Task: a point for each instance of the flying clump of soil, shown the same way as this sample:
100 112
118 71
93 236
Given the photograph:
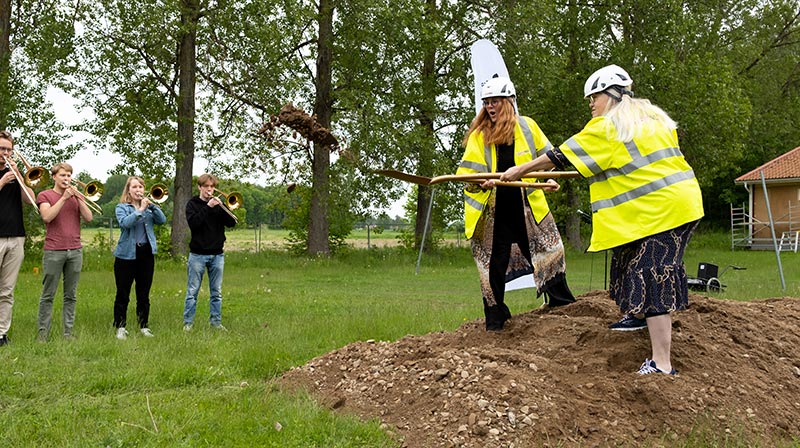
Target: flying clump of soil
301 123
559 377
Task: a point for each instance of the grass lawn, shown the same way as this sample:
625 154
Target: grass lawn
208 388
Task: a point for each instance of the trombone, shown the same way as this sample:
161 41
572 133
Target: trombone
35 176
158 194
91 193
22 184
233 200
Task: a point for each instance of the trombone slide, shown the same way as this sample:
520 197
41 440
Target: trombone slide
22 185
226 209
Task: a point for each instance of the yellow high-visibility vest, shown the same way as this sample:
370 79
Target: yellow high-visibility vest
529 141
637 189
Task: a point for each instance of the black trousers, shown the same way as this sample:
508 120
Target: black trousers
506 233
498 265
126 272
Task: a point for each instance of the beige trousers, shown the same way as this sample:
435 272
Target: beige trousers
12 252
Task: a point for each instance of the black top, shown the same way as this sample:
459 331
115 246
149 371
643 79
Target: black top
509 215
11 209
208 226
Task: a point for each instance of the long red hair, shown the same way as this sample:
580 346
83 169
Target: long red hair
501 131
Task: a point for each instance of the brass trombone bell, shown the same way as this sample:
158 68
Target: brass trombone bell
158 193
233 200
93 190
35 176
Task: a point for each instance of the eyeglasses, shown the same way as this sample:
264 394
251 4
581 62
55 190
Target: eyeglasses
492 102
593 97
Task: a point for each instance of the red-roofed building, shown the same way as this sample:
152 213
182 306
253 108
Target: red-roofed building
782 180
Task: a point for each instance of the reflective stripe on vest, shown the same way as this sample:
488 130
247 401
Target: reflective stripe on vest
585 158
638 161
477 205
643 190
479 167
526 131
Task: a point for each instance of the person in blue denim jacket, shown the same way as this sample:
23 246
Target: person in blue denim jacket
135 254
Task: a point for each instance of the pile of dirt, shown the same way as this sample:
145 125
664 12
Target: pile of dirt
559 377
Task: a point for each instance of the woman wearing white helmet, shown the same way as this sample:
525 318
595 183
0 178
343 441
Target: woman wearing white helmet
646 203
511 229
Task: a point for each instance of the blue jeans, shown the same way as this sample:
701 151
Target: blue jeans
196 267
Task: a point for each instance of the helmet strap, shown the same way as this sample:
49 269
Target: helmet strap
618 90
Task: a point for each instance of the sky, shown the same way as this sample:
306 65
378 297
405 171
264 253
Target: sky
97 165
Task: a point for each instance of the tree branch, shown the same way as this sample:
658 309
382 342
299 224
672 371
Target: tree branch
777 42
229 90
148 62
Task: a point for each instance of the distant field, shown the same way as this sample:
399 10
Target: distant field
275 239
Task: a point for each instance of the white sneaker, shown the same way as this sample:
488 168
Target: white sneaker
122 333
219 327
146 331
187 328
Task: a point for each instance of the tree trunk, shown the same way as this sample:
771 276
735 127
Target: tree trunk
571 190
5 61
427 148
318 229
184 158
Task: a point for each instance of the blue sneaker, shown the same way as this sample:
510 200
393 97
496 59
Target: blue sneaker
649 366
629 322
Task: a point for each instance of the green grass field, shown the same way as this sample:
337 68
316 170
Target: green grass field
207 388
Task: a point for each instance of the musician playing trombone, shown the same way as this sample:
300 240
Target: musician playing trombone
62 209
13 192
134 256
207 220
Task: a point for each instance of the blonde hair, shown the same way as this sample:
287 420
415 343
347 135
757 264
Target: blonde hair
60 166
205 178
499 132
635 117
126 197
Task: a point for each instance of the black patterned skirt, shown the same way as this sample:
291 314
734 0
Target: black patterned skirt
648 275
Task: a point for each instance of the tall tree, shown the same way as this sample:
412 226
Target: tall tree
411 99
142 66
323 110
5 60
184 160
768 65
36 42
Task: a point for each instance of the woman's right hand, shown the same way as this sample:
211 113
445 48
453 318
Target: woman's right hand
488 184
513 174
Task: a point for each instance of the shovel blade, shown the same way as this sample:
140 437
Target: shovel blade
413 178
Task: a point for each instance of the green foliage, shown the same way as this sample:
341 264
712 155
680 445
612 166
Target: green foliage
34 230
163 240
434 238
725 70
41 43
297 213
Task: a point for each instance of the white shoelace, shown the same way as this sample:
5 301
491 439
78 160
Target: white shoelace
647 368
